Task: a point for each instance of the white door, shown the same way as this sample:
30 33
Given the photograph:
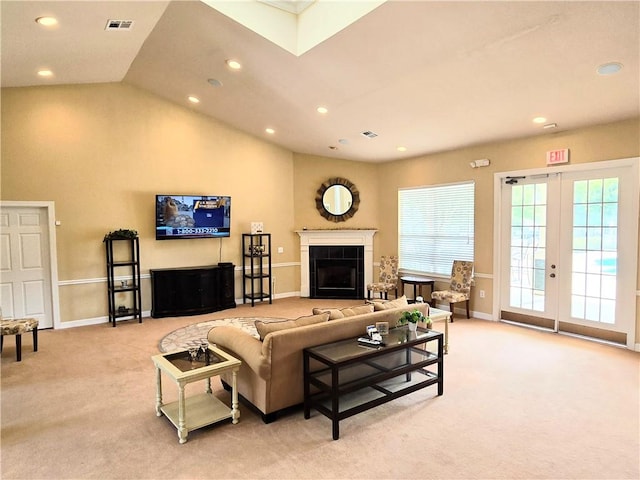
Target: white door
25 264
528 294
571 262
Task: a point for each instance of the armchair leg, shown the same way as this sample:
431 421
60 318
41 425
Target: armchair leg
467 302
18 348
451 310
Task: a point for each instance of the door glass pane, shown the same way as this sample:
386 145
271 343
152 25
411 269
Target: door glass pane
528 242
595 251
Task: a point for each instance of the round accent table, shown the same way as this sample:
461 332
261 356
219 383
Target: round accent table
418 283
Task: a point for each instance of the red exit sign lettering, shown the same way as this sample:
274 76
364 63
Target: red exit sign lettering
557 156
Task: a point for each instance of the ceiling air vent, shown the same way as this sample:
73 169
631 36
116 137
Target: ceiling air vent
369 134
119 25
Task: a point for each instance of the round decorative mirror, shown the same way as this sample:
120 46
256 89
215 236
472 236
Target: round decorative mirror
337 199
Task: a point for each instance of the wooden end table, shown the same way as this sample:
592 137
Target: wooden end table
197 411
417 283
437 315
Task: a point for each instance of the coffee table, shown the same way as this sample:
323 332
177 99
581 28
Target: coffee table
196 411
344 378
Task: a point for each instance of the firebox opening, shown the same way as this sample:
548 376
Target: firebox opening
331 276
336 272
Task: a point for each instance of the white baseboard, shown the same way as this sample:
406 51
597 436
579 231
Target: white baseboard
146 314
94 321
463 312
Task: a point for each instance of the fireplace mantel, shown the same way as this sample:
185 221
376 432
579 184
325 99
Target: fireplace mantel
326 237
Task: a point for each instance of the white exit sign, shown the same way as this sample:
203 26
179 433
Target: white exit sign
558 156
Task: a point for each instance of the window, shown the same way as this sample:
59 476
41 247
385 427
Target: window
595 249
435 227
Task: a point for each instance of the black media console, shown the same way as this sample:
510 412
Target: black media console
192 290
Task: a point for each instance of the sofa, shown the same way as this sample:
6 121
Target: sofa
271 374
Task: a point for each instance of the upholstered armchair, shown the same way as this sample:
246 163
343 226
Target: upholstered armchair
460 287
388 278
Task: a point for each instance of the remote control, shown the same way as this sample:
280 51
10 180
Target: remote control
369 342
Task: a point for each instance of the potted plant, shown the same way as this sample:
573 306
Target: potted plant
412 318
120 234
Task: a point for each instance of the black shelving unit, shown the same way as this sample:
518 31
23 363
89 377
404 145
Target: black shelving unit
256 267
123 259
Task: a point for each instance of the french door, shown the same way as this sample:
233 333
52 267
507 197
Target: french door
569 251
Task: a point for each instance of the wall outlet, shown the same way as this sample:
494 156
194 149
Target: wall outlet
280 249
481 293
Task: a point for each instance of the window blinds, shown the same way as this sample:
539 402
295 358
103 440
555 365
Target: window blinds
435 227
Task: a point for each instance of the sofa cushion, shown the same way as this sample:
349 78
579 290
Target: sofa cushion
334 313
337 313
357 310
265 328
397 303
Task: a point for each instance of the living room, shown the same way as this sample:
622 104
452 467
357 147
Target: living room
104 150
100 152
127 145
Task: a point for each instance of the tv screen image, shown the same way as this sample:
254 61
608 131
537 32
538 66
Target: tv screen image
192 216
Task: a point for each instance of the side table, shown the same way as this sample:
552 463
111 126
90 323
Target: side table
437 315
418 282
197 411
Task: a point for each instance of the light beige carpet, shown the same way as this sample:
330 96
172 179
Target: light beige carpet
517 404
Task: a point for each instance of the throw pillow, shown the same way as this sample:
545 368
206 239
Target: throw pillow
357 310
334 313
397 303
265 328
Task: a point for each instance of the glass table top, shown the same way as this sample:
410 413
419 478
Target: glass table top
182 360
344 350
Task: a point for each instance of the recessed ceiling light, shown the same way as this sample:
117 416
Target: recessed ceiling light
270 131
47 21
322 110
609 68
45 72
234 64
343 141
193 99
402 149
333 147
214 82
539 120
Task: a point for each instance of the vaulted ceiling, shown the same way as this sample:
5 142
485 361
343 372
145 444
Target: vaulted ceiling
424 75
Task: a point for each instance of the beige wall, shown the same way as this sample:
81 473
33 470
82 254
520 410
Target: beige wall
101 153
606 142
310 172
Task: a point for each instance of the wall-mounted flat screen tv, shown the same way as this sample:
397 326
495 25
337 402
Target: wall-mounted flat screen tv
192 216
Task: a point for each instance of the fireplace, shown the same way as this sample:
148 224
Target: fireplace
344 240
336 272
